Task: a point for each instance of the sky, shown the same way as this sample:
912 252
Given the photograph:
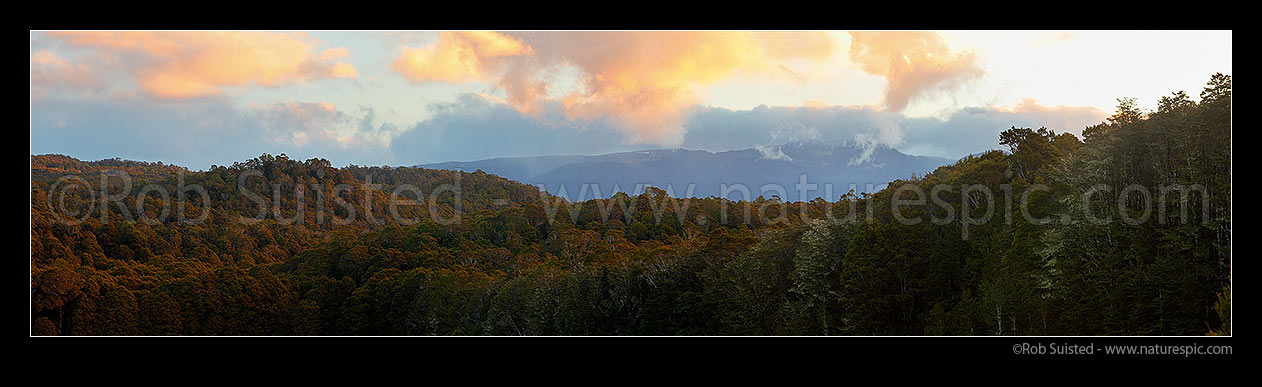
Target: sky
202 98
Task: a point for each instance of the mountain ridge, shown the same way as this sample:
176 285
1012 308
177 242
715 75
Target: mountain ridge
774 170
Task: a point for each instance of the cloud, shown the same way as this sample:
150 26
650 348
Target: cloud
967 131
1064 118
713 128
335 53
643 83
912 62
477 127
51 73
187 64
457 57
213 130
300 123
772 152
474 127
976 129
198 133
552 93
194 134
883 130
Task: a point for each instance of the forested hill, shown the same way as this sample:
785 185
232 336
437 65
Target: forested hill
299 247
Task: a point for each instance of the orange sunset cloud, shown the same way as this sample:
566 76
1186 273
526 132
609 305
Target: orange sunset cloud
175 64
912 62
644 81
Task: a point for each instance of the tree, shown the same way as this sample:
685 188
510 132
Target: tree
1031 149
1128 112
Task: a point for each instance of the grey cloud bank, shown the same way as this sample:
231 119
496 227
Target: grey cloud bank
966 131
209 131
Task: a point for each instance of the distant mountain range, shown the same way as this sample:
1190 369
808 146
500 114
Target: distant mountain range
767 171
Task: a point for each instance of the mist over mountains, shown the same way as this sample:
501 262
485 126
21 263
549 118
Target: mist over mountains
766 170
